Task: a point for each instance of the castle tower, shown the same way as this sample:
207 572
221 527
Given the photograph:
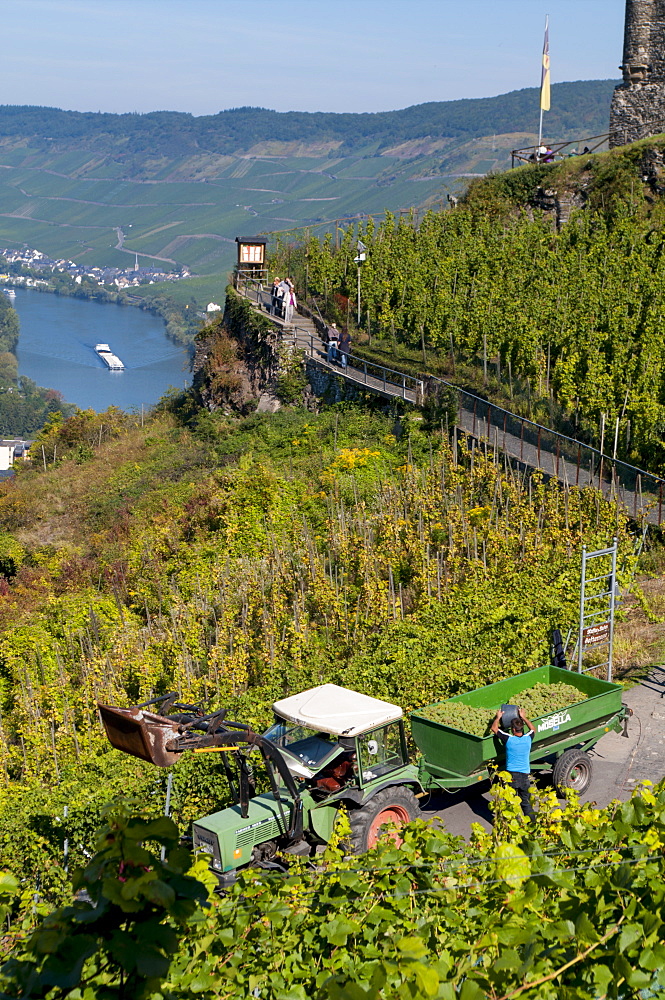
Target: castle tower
638 104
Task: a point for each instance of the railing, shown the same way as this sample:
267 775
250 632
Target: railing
380 379
558 150
375 377
251 288
572 462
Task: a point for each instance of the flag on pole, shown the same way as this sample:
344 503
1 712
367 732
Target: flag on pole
545 78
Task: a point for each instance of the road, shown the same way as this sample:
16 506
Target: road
619 763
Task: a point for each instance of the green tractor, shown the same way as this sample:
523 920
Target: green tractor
327 747
330 747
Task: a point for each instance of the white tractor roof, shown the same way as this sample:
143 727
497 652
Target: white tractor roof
336 710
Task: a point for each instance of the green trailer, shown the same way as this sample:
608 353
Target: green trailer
452 759
332 747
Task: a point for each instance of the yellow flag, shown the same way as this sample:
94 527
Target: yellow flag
545 78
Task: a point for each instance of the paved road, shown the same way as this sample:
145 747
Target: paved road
619 763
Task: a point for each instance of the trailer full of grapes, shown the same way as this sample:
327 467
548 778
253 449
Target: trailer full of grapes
570 712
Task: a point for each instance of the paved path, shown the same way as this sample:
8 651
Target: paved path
619 763
570 462
304 334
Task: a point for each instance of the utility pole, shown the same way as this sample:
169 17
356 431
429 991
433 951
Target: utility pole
360 259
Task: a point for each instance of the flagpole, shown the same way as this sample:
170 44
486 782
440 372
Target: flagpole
540 130
544 81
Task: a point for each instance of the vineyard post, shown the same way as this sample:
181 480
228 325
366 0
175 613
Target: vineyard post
539 430
635 498
580 642
484 359
615 545
65 849
579 459
522 442
167 805
616 439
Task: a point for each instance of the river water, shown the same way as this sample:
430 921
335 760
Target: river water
56 349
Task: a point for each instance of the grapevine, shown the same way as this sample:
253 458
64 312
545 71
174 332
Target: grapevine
577 315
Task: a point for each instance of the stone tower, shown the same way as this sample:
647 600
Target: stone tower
638 104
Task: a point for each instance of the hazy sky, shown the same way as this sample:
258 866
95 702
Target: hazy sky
203 56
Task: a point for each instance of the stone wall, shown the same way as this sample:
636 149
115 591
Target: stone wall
329 386
638 104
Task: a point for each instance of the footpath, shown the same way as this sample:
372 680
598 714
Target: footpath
569 461
619 762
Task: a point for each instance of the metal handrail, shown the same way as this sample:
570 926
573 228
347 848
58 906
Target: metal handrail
529 154
549 430
405 382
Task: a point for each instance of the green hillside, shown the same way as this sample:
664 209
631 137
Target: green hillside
579 105
181 188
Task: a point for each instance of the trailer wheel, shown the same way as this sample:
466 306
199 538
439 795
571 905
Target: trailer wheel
574 770
396 805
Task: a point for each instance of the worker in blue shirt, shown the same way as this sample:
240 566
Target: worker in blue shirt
518 752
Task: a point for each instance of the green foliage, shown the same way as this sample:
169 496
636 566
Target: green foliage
575 315
291 379
9 326
570 906
121 935
239 562
169 133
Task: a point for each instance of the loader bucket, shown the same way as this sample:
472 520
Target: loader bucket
139 733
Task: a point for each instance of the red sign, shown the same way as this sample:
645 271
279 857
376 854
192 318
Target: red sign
593 635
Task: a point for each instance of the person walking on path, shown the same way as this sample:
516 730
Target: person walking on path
290 303
333 340
274 296
344 347
283 290
518 755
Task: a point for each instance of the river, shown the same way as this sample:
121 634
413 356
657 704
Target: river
56 349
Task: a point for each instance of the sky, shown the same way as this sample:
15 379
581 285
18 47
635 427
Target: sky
203 56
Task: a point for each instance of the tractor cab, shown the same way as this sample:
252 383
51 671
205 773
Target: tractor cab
330 732
327 747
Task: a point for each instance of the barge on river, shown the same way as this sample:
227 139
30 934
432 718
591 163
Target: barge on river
109 359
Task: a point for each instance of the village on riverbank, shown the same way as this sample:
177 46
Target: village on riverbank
121 278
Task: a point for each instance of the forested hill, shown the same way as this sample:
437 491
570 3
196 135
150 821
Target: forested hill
578 108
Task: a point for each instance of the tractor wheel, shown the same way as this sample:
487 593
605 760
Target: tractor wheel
574 770
397 805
